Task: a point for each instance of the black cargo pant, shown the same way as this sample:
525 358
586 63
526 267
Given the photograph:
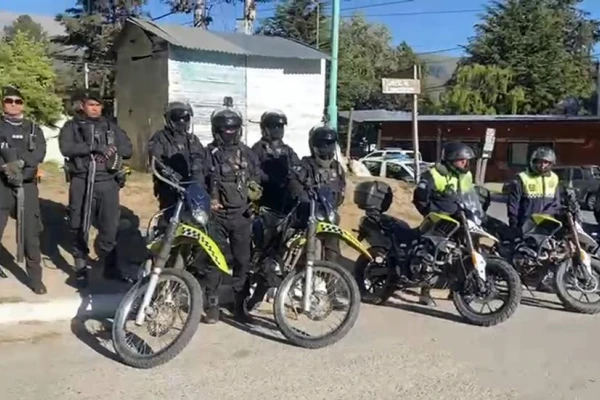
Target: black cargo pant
32 226
232 233
105 212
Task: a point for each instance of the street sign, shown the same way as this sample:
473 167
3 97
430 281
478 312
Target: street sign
488 144
400 86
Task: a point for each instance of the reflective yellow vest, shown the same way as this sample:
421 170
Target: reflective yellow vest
442 181
535 187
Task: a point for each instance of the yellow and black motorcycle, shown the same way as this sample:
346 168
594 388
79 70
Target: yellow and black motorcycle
153 303
444 247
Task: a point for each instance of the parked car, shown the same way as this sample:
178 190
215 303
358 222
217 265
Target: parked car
394 169
392 153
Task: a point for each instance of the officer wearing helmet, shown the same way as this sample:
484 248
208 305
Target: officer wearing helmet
178 148
232 176
321 168
433 193
534 191
275 158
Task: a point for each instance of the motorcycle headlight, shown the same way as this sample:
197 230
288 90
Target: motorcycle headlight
200 216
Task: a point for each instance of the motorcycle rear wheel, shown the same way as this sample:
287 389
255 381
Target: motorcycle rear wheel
380 289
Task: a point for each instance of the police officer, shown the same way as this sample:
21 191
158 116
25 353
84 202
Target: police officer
321 168
534 191
22 149
432 194
178 148
276 159
232 176
90 139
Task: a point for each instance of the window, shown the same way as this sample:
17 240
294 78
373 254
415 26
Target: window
376 154
577 173
396 171
374 167
520 152
563 174
595 172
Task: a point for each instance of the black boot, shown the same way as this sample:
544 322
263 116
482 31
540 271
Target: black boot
111 268
82 270
425 297
212 313
239 308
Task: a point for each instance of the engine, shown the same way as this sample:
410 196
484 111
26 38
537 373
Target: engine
427 260
529 255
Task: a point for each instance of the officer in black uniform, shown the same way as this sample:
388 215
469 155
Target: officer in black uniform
432 194
178 148
276 159
22 149
321 168
232 176
90 135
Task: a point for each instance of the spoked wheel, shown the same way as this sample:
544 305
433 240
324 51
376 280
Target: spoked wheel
476 301
372 277
335 304
171 320
577 289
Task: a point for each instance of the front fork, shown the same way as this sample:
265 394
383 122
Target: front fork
311 248
159 263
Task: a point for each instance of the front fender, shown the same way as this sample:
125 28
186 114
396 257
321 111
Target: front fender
185 232
323 227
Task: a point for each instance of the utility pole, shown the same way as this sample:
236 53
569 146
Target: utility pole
415 124
249 16
332 109
598 89
200 20
318 33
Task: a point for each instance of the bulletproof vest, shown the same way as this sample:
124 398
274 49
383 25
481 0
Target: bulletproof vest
96 134
329 176
230 170
274 151
20 137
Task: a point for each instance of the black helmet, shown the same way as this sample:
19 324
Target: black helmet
178 116
272 124
322 141
540 155
454 151
226 126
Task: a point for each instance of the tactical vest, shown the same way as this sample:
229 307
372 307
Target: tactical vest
441 182
536 187
230 173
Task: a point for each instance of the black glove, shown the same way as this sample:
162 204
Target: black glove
99 149
15 180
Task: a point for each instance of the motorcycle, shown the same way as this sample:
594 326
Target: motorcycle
442 247
554 246
286 255
150 301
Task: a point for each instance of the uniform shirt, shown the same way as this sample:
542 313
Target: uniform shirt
431 195
530 193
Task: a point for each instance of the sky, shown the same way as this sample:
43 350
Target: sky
439 26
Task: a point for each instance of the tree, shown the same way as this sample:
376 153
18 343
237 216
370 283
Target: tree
24 64
202 8
546 45
301 20
92 25
480 89
25 24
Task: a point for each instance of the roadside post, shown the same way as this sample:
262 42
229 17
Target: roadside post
486 153
412 87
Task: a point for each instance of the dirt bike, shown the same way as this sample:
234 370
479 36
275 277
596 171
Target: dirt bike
556 247
169 251
286 253
442 247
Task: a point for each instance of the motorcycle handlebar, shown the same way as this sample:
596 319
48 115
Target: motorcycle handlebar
169 176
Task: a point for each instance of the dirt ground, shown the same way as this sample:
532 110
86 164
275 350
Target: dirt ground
138 206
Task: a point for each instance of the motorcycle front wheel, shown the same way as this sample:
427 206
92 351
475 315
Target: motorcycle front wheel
338 297
502 283
574 288
165 309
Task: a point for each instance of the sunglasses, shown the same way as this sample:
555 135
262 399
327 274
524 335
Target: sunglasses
18 102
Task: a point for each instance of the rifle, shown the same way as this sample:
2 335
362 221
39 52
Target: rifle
88 198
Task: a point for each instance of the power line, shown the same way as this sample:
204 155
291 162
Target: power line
323 4
420 13
438 51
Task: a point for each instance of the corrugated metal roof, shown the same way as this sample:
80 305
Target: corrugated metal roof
233 43
402 116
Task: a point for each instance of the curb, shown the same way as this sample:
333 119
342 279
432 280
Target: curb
60 309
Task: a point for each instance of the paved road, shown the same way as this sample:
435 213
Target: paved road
398 351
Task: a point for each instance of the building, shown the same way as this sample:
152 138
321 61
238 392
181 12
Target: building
161 63
575 139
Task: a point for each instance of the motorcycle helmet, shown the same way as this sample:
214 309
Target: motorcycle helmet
542 160
322 141
178 116
272 125
456 156
226 126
